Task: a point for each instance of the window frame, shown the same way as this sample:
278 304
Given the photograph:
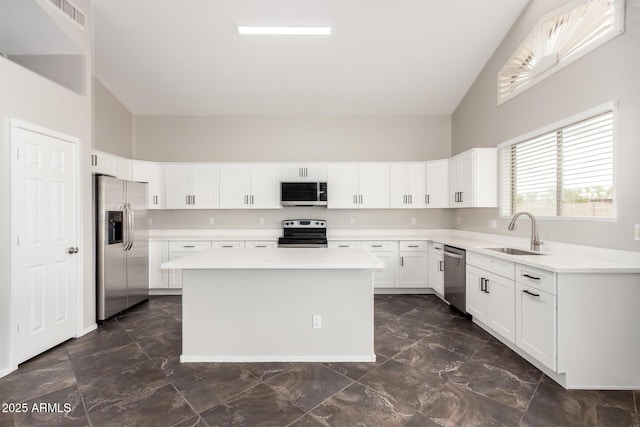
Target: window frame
554 127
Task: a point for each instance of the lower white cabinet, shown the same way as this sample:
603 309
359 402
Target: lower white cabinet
158 254
227 244
179 249
413 265
343 244
387 252
435 268
491 300
261 244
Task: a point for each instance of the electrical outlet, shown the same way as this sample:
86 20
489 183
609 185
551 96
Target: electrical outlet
413 221
212 221
316 321
493 223
352 221
636 232
261 221
149 221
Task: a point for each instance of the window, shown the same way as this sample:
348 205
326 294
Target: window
566 172
557 40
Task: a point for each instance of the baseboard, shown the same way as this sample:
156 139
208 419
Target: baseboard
87 330
256 359
6 371
393 291
157 291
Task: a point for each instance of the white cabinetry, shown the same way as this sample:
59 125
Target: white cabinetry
407 185
413 264
491 293
103 163
261 244
353 185
227 244
536 314
304 172
435 268
244 186
387 252
343 244
158 254
437 184
153 174
182 249
473 179
191 186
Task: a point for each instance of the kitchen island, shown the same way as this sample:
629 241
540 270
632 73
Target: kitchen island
277 305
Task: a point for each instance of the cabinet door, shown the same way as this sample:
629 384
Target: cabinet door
103 163
413 270
386 277
175 276
437 184
436 273
374 185
536 324
398 186
235 186
292 172
342 185
123 168
315 172
265 186
416 185
204 186
465 179
153 174
158 254
476 297
177 186
501 313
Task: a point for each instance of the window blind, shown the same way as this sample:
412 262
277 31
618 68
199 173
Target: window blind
567 172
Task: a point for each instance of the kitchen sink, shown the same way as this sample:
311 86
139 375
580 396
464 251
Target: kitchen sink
513 251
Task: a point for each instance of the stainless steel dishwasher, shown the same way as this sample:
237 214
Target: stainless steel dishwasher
455 277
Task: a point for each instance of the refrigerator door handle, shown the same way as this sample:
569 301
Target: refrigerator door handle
125 226
132 236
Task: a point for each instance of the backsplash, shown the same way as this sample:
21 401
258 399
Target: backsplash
336 218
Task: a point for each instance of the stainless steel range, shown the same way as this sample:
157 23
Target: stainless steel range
303 233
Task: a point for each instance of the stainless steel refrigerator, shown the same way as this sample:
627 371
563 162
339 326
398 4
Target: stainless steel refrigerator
122 251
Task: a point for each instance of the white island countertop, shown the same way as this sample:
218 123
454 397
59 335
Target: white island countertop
278 258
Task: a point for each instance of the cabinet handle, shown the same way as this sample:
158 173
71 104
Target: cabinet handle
246 199
440 265
343 246
376 246
482 284
486 285
530 277
531 293
193 198
300 172
187 197
401 261
428 199
410 199
355 199
412 246
361 199
227 246
306 172
189 246
261 246
461 200
252 199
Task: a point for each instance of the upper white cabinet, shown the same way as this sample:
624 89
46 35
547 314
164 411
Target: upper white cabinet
103 163
244 185
358 185
301 172
473 179
153 174
437 184
191 186
407 182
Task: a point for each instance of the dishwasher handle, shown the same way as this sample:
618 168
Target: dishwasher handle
452 255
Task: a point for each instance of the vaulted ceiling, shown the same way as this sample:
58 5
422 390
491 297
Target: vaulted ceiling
384 57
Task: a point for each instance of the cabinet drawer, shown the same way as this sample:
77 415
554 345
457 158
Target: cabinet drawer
495 265
229 244
437 247
343 244
187 246
379 246
536 278
408 246
260 244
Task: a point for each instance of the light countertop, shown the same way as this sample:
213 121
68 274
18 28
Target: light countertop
277 258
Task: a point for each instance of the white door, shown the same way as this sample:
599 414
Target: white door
235 186
437 182
476 297
374 185
386 277
413 270
501 313
398 188
177 186
416 185
45 190
204 184
342 186
293 172
265 186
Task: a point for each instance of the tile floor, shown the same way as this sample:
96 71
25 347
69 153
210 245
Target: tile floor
434 368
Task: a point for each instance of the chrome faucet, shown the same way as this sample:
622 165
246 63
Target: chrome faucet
535 238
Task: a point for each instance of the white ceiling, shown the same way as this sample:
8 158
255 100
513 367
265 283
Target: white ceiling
383 58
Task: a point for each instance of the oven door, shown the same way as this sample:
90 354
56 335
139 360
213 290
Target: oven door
301 194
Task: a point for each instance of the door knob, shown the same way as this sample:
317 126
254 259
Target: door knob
73 250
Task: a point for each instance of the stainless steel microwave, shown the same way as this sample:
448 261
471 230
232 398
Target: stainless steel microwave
303 193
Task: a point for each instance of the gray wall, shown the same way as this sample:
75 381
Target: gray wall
291 138
112 123
610 73
66 70
294 138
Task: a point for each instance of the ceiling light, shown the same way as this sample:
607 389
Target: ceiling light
284 31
